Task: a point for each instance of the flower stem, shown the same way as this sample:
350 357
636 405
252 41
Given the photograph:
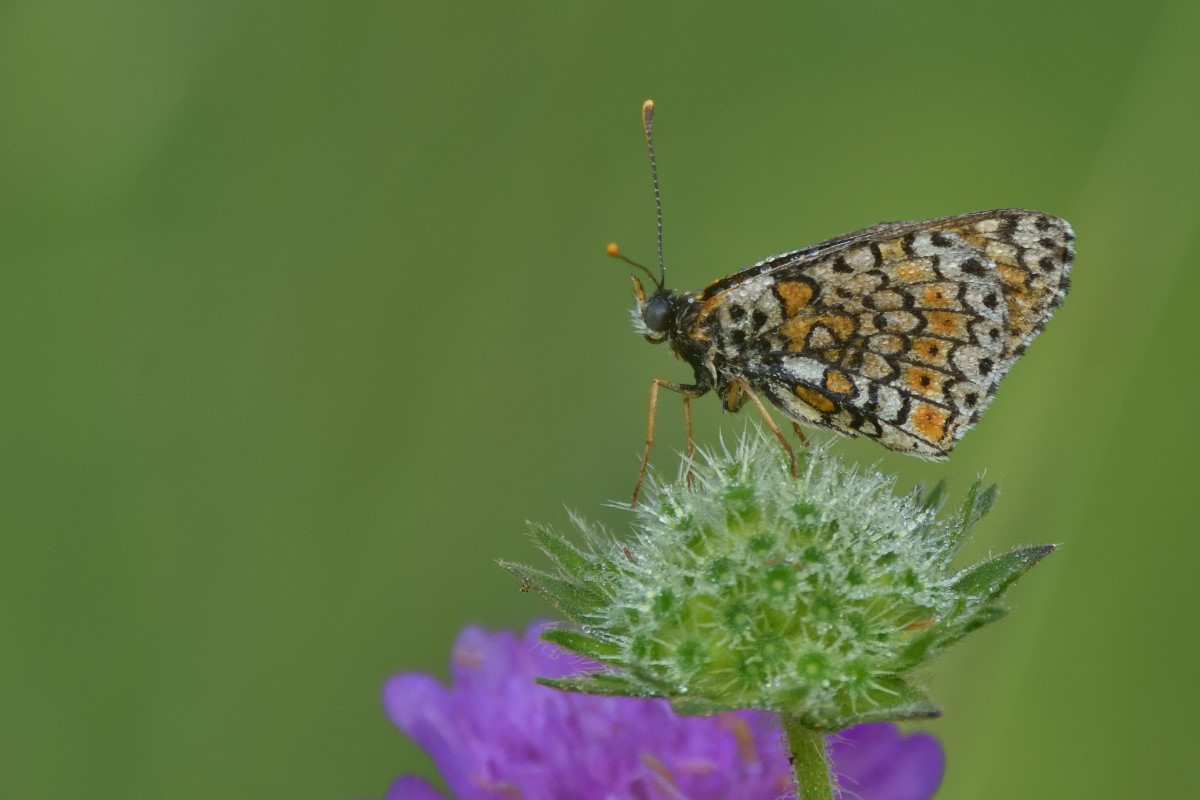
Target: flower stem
809 761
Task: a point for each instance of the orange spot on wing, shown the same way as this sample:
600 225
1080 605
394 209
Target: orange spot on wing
930 422
936 296
796 295
923 381
815 399
837 382
970 235
947 323
1011 275
932 351
795 330
844 327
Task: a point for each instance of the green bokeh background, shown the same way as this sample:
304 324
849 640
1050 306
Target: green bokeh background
305 312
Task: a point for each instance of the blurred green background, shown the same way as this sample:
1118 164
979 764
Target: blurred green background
305 311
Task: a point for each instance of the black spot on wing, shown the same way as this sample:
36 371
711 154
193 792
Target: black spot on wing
973 266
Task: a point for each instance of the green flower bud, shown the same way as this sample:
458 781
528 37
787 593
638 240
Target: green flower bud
744 587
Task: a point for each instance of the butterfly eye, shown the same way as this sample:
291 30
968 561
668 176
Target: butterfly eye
657 314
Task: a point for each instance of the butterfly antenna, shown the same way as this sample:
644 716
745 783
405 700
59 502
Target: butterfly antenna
648 126
615 252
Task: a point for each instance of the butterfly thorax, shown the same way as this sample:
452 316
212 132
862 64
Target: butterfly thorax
679 321
692 344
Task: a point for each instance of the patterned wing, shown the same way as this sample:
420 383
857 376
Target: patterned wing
900 332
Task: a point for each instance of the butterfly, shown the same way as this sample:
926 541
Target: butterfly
899 332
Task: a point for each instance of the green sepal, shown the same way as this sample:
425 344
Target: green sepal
975 505
565 554
920 648
582 644
936 498
576 601
980 588
603 683
982 503
893 699
989 579
687 706
984 616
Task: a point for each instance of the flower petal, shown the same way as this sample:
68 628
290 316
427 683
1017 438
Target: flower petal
497 733
412 788
877 762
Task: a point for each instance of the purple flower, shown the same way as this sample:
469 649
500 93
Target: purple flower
497 734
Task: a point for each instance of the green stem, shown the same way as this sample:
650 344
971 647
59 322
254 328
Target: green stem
809 761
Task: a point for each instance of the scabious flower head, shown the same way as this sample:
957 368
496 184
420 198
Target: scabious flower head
744 587
496 733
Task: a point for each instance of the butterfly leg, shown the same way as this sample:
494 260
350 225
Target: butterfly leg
691 443
688 393
799 433
774 428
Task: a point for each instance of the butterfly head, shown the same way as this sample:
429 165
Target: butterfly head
653 316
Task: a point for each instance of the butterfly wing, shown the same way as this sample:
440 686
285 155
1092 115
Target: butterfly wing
901 331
